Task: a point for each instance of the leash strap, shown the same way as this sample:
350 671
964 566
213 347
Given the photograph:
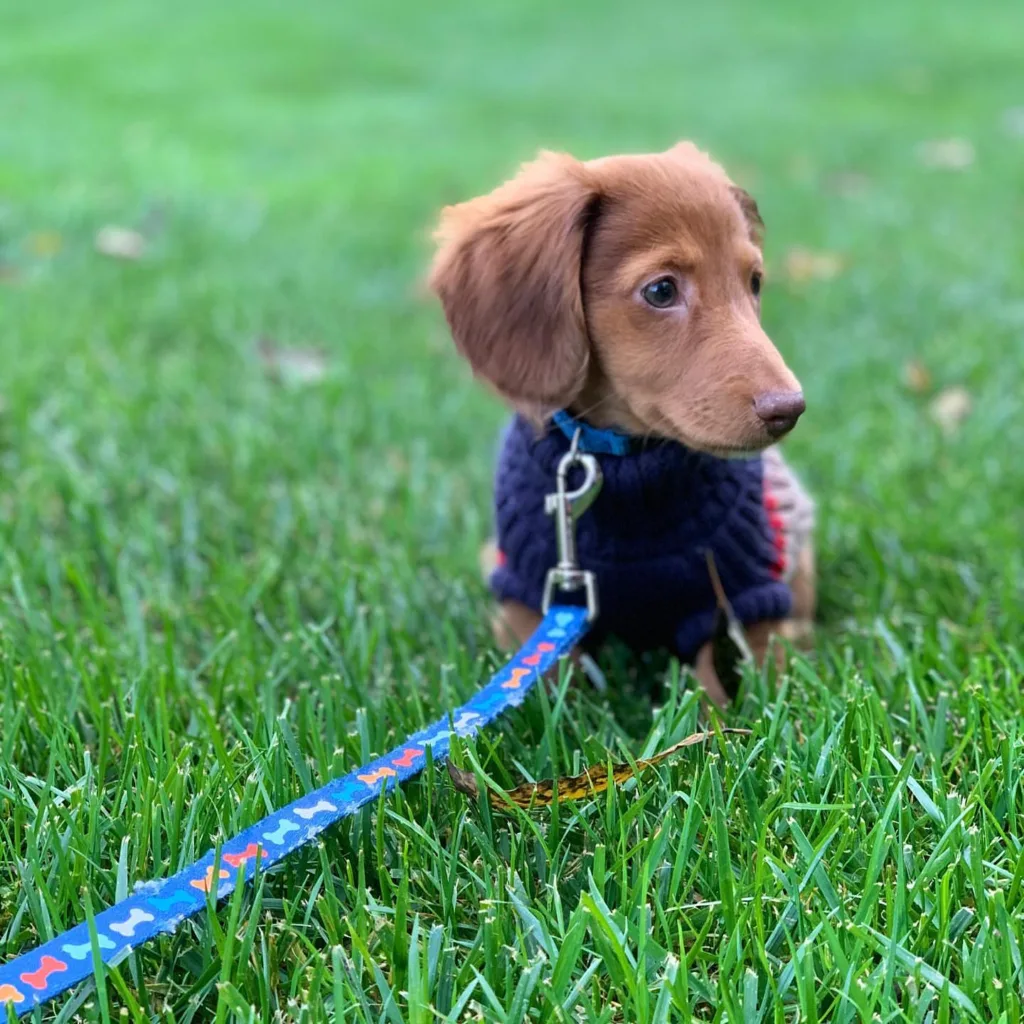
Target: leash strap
37 976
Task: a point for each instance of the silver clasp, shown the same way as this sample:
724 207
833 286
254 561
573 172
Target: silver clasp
565 506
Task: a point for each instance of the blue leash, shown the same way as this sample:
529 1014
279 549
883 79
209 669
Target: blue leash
37 976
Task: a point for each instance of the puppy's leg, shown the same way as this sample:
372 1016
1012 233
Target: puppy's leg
805 598
759 638
798 629
704 670
763 636
795 509
513 623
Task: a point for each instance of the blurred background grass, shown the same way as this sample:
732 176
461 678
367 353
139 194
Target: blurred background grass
284 166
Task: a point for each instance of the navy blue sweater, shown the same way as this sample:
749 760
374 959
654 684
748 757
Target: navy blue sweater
661 508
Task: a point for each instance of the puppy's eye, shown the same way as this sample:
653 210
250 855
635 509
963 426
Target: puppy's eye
661 293
755 283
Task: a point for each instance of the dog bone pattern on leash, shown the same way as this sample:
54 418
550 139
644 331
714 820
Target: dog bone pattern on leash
47 966
320 807
205 883
9 994
277 836
348 790
128 925
166 902
464 723
518 675
463 726
562 619
534 659
252 850
36 977
85 949
408 758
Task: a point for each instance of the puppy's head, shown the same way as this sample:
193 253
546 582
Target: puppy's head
626 289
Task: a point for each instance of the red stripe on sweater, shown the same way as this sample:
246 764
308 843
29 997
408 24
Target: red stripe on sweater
777 524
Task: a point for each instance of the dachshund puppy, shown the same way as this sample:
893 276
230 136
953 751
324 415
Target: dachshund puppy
621 298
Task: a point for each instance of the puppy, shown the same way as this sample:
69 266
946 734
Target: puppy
621 297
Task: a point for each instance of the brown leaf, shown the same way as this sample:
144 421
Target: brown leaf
950 408
807 265
45 243
849 183
577 787
465 782
946 154
119 243
917 377
294 366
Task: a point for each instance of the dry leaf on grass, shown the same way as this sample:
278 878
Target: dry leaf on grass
296 366
807 265
950 408
917 377
946 154
849 184
45 243
119 243
578 787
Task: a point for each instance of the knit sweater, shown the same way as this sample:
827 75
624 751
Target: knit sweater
661 508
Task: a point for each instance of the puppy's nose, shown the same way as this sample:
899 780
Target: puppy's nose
779 410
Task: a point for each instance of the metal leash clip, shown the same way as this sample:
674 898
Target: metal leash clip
565 506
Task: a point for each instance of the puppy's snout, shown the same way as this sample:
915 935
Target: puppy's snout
779 410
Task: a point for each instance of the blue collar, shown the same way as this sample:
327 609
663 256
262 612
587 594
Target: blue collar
596 440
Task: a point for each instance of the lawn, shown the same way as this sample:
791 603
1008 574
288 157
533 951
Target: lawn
220 588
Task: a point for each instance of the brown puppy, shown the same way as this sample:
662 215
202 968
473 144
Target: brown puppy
627 291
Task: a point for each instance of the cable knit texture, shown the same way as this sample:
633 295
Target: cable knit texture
645 537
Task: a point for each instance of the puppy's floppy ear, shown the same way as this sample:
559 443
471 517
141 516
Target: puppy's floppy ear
507 272
751 213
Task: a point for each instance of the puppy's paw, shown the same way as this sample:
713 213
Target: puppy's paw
799 632
513 624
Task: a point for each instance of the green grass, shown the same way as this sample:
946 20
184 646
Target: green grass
218 592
